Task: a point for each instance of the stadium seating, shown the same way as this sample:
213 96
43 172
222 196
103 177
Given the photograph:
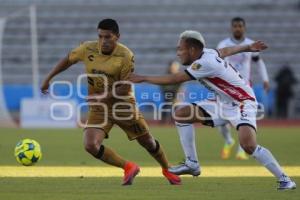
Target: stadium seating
149 28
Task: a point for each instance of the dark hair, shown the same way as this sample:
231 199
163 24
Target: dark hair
191 42
238 19
109 24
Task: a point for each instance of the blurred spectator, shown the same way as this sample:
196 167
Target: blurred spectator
285 80
170 92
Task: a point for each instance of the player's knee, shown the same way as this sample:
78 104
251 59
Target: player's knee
91 147
150 146
248 147
185 114
155 146
179 113
148 142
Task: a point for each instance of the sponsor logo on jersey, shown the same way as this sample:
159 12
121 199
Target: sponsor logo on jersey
196 66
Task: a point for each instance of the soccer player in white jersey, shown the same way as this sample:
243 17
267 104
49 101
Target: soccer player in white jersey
235 102
242 63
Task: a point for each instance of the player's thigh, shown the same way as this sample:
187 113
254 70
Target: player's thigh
134 127
99 120
246 133
189 113
207 113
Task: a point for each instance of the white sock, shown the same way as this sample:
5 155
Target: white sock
187 138
225 132
265 157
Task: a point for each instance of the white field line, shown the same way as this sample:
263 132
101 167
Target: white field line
78 171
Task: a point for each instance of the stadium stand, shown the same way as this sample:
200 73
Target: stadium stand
149 28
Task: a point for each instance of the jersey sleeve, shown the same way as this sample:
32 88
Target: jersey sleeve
199 70
212 51
255 55
262 70
220 45
127 67
77 54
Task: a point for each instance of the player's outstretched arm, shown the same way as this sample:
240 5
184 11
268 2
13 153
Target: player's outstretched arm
161 80
254 47
61 66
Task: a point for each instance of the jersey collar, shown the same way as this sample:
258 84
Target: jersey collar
100 53
237 41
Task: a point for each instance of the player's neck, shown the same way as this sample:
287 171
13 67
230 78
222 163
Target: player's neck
238 39
106 53
197 55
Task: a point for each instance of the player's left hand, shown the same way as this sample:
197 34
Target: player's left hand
258 46
135 78
45 86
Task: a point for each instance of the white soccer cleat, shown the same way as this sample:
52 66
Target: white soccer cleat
286 184
183 169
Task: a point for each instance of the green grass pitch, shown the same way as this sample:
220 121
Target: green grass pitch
63 147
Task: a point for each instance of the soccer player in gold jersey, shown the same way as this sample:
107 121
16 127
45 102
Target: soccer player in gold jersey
108 66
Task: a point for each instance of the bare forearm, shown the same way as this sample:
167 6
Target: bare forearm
179 77
61 66
228 51
161 80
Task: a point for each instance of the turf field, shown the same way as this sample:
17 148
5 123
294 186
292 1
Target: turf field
68 172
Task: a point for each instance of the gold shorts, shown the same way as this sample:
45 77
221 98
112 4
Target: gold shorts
131 122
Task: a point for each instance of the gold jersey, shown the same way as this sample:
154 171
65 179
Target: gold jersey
114 67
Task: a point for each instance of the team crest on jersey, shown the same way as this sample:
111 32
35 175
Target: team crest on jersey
196 66
91 58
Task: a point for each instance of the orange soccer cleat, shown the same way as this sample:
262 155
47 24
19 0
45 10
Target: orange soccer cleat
130 171
226 151
172 178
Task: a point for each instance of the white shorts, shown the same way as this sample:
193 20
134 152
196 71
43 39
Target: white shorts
218 113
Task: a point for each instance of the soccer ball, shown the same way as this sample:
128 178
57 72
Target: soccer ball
28 152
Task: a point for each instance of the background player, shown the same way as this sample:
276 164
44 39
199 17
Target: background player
235 98
107 57
243 63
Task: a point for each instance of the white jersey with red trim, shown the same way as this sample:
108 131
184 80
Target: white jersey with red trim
220 77
240 61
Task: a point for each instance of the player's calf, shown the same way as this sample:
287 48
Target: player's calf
154 149
157 152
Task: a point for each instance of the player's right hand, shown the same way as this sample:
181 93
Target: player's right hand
258 46
45 87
